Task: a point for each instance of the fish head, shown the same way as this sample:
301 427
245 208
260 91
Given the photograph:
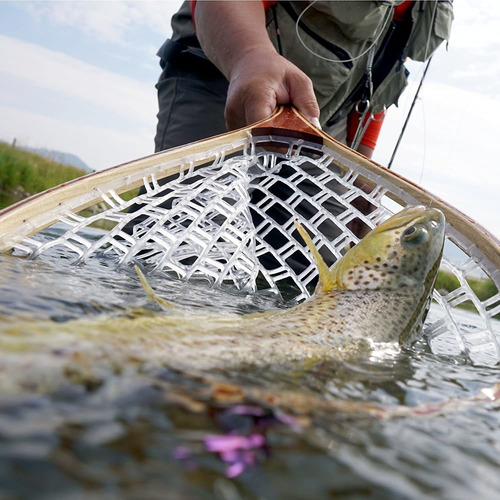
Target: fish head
401 255
405 250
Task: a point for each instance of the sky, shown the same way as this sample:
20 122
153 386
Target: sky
79 77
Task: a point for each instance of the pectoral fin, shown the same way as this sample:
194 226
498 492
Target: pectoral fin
150 293
326 279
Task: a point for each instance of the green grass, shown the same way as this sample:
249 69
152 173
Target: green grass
23 173
446 281
484 288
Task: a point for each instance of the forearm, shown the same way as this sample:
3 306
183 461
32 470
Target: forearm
229 31
233 35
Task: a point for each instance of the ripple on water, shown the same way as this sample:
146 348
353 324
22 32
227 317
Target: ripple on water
143 434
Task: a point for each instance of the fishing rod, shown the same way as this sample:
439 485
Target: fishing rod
409 113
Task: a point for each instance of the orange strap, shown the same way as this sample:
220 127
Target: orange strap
401 10
372 132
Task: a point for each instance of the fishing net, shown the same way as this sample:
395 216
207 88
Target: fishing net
225 214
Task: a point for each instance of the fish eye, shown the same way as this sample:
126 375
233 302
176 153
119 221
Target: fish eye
415 235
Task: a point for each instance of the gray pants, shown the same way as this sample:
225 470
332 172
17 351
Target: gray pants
191 98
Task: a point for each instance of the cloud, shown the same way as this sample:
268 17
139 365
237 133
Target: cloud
99 147
453 126
469 62
107 21
449 148
476 24
58 72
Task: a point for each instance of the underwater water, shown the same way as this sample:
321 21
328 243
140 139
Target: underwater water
325 430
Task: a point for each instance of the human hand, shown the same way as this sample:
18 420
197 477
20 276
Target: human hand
260 82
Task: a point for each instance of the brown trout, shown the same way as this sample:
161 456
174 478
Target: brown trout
379 291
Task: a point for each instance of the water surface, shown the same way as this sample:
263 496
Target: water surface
162 434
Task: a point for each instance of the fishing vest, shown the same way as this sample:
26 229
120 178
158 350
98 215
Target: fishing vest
340 36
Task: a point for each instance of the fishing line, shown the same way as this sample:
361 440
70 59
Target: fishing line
420 85
383 22
403 129
458 125
424 145
432 198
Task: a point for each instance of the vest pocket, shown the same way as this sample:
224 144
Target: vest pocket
426 38
334 51
326 61
358 21
444 18
390 90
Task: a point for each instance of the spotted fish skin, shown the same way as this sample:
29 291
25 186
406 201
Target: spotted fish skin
378 292
402 254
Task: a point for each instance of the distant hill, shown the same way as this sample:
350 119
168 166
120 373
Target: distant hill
60 157
23 173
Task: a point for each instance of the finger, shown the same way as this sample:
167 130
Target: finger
260 108
247 106
301 92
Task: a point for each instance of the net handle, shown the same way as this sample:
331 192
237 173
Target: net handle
289 122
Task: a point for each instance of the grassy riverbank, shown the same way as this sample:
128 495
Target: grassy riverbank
23 173
484 288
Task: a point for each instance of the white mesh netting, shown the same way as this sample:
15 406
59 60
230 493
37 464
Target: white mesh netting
230 221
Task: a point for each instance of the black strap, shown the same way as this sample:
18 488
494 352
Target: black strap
277 29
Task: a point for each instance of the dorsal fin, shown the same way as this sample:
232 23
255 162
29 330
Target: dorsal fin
326 279
150 293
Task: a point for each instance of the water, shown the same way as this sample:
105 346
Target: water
304 432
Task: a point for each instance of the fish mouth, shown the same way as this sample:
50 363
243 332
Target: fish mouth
416 214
